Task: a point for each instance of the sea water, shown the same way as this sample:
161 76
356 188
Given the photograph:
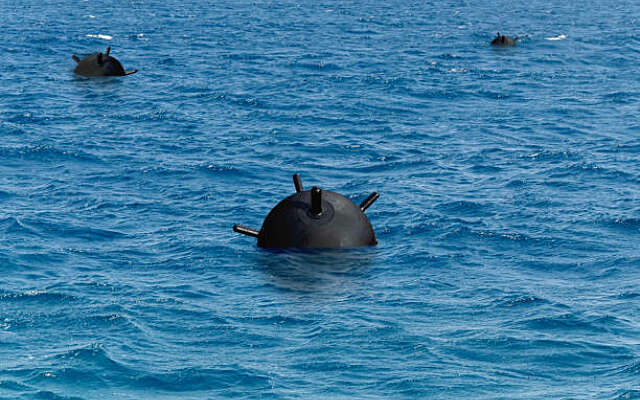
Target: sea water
508 263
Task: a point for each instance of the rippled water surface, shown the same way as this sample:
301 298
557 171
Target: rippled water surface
508 264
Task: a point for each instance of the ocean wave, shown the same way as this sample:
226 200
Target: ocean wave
622 97
628 224
465 208
38 296
589 169
315 66
556 38
99 36
49 395
567 322
204 379
91 356
16 226
50 227
520 301
47 153
626 394
14 386
547 156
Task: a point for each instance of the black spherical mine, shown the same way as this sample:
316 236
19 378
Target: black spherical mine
315 218
100 64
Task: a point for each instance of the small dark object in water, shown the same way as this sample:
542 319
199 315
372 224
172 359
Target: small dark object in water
100 65
315 218
504 40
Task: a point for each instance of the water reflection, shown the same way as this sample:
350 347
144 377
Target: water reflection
310 270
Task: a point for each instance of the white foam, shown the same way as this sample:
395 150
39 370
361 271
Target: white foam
561 37
100 36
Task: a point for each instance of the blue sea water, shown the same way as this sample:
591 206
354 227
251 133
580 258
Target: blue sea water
508 264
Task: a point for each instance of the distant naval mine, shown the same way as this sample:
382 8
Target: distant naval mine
504 40
100 64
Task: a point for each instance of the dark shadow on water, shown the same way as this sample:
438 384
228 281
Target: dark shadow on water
311 270
106 90
96 80
504 49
